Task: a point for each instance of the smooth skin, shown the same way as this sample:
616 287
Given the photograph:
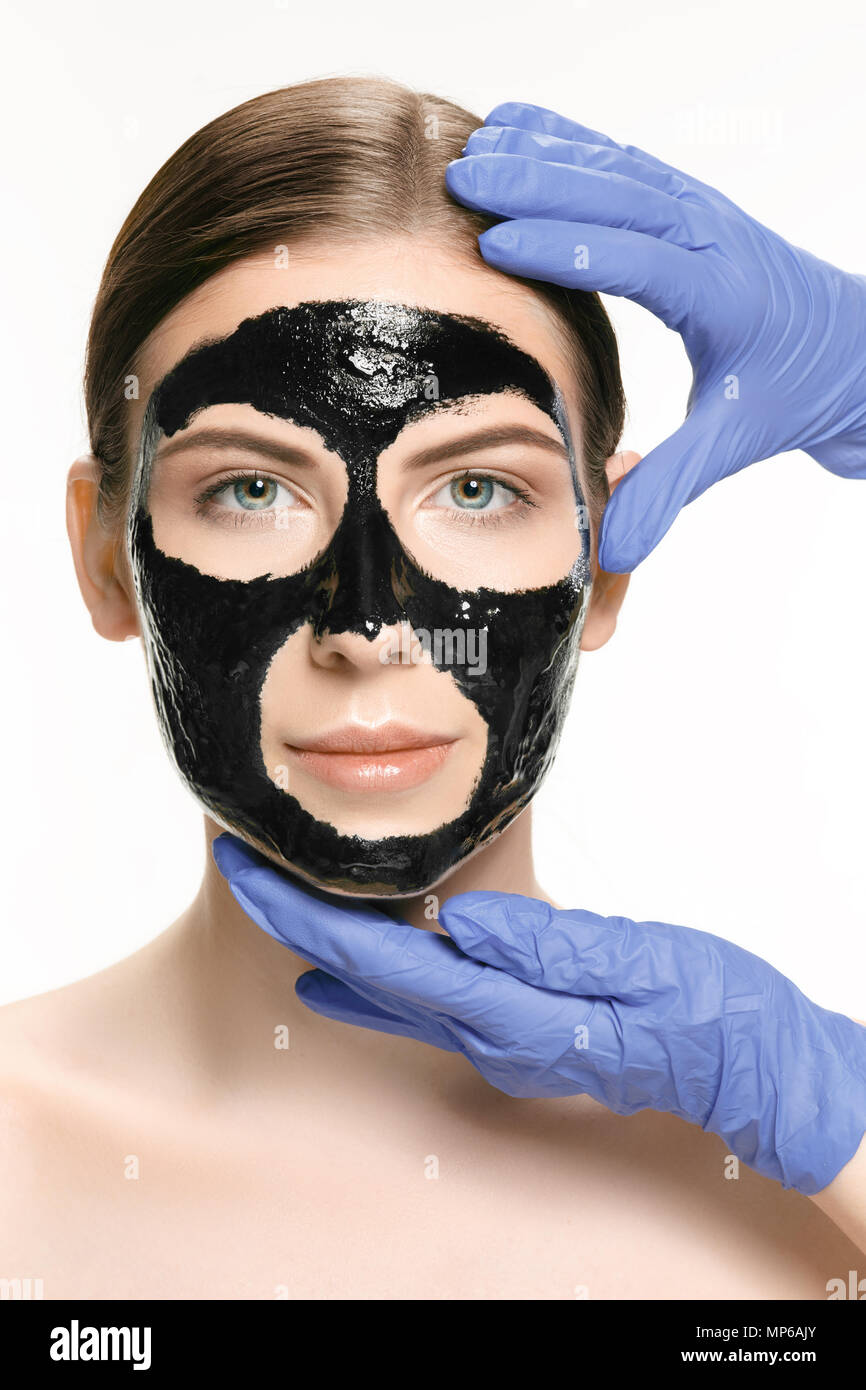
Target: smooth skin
156 1142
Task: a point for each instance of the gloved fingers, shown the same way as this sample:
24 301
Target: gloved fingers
551 1059
573 952
535 144
539 118
305 920
339 992
516 1061
366 949
659 276
335 999
547 1046
512 185
649 498
348 940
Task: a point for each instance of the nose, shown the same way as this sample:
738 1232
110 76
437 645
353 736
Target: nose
357 592
360 655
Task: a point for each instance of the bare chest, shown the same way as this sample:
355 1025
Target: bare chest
551 1205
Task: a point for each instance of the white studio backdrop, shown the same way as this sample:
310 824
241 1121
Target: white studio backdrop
712 770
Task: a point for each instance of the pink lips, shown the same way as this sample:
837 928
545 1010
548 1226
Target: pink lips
391 757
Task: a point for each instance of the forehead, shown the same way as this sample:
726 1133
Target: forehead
356 371
404 273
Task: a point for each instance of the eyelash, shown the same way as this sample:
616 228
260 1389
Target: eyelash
467 517
500 516
206 497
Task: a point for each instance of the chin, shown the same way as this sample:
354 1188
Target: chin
373 874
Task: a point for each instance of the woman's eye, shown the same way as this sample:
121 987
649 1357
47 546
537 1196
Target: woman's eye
474 492
253 494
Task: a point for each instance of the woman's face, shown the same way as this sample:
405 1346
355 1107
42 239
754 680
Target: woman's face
361 555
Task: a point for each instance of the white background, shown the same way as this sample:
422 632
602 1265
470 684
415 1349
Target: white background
712 770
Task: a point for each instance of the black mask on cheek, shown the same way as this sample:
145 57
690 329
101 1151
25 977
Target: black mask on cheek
358 373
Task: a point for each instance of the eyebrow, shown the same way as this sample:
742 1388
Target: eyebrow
486 438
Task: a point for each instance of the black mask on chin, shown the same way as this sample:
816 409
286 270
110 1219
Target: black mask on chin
358 373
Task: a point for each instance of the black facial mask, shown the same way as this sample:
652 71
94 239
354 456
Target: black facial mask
357 373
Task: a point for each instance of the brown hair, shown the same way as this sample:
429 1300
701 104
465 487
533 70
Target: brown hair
361 156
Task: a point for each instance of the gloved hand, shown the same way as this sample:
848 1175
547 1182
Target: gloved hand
553 1003
776 337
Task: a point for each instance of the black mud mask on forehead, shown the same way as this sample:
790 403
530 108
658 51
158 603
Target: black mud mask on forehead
357 373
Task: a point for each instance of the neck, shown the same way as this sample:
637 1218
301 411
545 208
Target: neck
235 985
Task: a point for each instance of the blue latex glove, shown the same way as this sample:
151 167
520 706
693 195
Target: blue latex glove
776 337
551 1003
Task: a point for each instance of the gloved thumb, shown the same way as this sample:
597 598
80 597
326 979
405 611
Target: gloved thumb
644 505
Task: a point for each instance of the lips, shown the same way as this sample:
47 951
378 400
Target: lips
364 738
389 757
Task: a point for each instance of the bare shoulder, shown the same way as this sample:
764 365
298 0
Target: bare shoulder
46 1036
31 1053
88 1033
45 1045
64 1057
35 1117
67 1069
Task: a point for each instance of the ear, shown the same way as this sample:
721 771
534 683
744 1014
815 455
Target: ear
99 557
608 590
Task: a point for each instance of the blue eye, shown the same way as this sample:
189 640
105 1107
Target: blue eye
254 494
248 492
474 492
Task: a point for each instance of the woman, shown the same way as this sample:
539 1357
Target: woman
295 317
